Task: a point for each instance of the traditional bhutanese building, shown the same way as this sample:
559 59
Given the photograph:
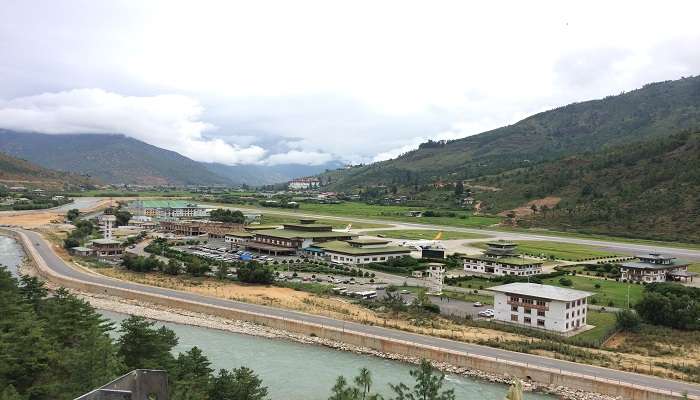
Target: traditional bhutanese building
501 258
655 267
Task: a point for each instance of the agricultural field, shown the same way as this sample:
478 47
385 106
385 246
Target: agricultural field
557 250
607 290
425 234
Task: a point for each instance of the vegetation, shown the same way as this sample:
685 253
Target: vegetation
226 215
77 236
558 250
671 305
425 234
14 168
255 273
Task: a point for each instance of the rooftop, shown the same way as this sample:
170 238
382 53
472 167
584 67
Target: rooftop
347 248
506 260
500 243
361 242
163 204
240 234
648 265
105 241
292 233
541 291
81 248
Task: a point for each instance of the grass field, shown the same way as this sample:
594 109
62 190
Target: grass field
694 267
609 290
558 250
273 219
604 325
425 234
398 213
485 299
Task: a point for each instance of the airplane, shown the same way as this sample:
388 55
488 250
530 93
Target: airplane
347 228
421 244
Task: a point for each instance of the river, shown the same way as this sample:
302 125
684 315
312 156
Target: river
291 371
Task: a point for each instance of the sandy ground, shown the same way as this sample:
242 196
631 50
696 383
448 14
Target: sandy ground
526 209
38 218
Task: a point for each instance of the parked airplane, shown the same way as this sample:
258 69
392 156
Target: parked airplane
421 244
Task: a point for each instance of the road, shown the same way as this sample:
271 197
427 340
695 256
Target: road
58 266
618 247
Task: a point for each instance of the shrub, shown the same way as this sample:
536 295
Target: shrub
565 282
628 321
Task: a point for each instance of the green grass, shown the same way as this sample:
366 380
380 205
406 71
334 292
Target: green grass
425 234
397 213
475 282
609 290
604 325
694 267
558 250
276 219
485 299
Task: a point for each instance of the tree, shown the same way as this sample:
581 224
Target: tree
123 217
255 273
72 214
364 381
459 188
141 345
197 267
172 267
239 384
229 216
191 375
428 385
628 320
222 271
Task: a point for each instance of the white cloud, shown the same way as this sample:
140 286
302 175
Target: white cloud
299 157
168 121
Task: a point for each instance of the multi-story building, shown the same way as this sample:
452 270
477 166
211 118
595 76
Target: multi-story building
294 237
357 251
238 238
303 184
545 307
107 223
167 209
106 248
501 258
655 267
214 229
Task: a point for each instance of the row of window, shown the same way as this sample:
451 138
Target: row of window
540 313
527 300
576 313
526 320
575 303
577 323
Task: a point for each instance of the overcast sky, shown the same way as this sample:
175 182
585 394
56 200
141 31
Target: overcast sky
267 82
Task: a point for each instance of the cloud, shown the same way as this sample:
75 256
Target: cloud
299 157
168 121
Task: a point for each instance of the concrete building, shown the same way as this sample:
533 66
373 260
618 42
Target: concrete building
545 307
501 258
214 229
294 237
303 184
655 267
167 209
81 251
106 248
435 278
238 238
359 251
107 224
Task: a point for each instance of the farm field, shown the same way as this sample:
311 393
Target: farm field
558 250
425 234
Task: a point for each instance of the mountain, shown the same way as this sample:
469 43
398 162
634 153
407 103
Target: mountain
111 158
649 189
17 172
655 110
258 175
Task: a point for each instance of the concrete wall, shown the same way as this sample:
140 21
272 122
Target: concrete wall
140 384
487 364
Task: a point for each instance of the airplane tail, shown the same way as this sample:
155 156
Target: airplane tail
438 236
347 228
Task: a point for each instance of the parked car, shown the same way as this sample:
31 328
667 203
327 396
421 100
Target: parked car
487 313
478 304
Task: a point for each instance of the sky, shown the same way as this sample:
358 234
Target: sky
310 82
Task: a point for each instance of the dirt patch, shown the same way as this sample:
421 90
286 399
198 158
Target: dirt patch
526 209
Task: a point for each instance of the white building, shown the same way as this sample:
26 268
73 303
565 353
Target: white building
545 307
107 225
303 184
655 267
235 239
168 209
360 251
501 258
435 278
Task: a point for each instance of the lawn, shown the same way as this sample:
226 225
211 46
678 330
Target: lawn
398 213
558 250
609 290
485 299
475 282
694 267
425 234
604 325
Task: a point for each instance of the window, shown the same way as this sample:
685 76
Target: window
514 308
540 302
540 322
528 311
567 315
514 299
567 325
567 306
528 320
514 317
540 313
583 301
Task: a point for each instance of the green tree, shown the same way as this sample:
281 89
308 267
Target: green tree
10 393
191 376
72 214
428 385
197 267
123 217
239 384
229 216
141 345
172 267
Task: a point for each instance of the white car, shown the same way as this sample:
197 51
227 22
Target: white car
486 313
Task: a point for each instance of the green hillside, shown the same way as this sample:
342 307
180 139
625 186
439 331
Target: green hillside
649 190
655 110
17 172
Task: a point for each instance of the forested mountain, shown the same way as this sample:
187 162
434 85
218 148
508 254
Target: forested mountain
656 110
17 172
649 189
257 175
111 158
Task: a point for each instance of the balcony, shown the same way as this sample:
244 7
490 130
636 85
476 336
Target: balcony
528 305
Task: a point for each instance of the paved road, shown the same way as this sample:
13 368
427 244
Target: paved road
60 267
619 247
